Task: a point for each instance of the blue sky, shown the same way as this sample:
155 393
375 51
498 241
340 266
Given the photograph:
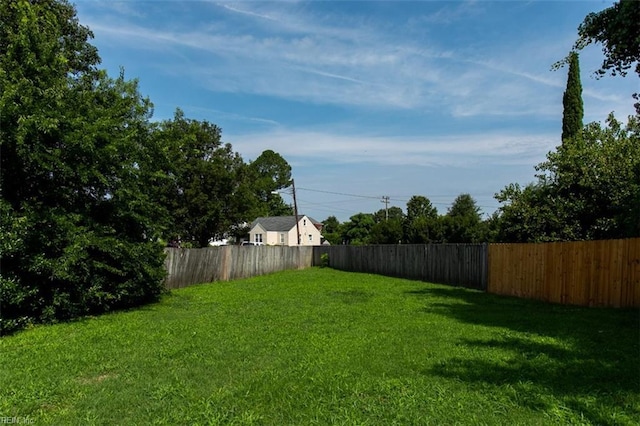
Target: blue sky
366 99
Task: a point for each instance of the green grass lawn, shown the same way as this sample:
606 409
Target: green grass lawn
320 346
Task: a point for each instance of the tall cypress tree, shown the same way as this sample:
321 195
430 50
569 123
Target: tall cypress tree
572 101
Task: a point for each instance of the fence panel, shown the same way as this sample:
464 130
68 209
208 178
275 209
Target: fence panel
631 274
587 273
186 267
454 264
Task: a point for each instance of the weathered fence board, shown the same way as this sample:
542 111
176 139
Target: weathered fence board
454 264
587 273
186 267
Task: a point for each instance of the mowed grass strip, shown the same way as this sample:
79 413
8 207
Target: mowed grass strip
321 346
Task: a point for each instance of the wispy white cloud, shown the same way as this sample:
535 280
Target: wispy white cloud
446 14
246 12
229 116
379 75
375 75
440 167
327 59
331 75
440 151
286 17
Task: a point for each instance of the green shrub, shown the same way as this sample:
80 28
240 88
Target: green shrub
324 260
72 270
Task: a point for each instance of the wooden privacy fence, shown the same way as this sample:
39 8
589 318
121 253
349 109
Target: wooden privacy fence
194 266
454 264
587 273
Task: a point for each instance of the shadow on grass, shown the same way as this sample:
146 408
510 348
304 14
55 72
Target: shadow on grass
587 357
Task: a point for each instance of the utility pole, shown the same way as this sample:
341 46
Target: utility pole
295 210
385 200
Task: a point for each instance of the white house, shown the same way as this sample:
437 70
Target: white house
281 231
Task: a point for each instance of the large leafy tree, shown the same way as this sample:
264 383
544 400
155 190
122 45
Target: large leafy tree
463 223
598 183
40 45
529 214
270 173
391 213
420 206
331 230
422 224
75 161
356 231
387 232
586 192
388 227
617 29
207 190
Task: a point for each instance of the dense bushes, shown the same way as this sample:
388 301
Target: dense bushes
78 223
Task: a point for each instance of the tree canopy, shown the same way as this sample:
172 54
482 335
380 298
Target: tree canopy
422 224
585 192
208 189
331 230
617 28
388 227
463 222
357 230
269 174
420 206
79 221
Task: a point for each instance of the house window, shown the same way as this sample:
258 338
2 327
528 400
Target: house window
281 238
304 222
310 237
258 238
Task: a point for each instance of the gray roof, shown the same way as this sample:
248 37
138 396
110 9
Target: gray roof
280 223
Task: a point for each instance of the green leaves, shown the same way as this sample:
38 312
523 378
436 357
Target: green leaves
584 191
205 182
75 167
421 225
270 173
356 231
617 28
572 102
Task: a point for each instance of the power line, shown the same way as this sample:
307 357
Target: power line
339 193
401 198
324 206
